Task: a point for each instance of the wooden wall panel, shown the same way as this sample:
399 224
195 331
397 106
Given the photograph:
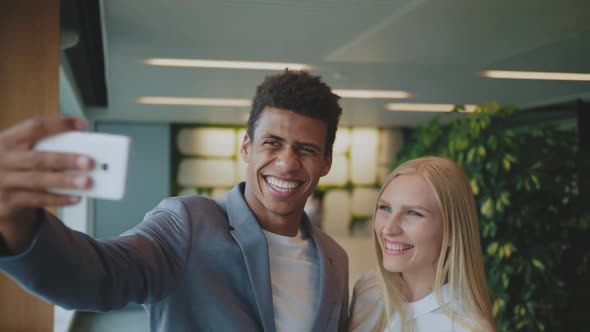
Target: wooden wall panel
29 59
29 83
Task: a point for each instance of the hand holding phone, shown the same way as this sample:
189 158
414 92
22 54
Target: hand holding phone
110 154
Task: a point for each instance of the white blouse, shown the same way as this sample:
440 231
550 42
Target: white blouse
367 304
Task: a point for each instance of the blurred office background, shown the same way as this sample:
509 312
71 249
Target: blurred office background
178 78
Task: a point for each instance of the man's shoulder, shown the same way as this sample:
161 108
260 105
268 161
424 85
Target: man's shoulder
192 201
188 199
330 244
190 207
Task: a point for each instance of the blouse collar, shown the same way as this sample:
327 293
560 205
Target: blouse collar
423 306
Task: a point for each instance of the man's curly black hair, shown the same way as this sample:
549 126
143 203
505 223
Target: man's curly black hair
299 92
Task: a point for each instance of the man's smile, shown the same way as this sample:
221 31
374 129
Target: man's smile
281 184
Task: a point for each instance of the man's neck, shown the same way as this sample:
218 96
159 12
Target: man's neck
282 225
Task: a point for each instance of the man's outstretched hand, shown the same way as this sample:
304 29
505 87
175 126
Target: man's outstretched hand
26 174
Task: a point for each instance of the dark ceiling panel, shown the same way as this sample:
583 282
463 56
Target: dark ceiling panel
86 58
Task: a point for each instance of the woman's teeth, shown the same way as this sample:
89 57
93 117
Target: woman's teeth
398 247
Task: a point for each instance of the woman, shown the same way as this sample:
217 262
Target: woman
430 272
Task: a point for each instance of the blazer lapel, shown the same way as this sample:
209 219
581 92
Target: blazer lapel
328 290
252 241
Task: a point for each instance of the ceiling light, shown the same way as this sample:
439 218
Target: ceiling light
372 94
226 64
195 101
415 107
536 75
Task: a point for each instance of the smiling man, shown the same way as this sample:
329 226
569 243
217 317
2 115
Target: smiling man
251 261
286 157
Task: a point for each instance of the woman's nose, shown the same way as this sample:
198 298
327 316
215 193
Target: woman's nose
392 226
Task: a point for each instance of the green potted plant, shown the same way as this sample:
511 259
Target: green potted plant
535 231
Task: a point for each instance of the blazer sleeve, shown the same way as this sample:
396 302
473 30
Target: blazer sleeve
344 319
75 271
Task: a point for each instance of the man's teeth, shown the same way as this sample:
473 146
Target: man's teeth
281 185
398 247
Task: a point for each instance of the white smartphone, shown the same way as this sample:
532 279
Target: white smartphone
110 154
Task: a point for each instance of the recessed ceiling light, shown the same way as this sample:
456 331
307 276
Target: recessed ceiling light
415 107
372 94
199 63
195 101
536 75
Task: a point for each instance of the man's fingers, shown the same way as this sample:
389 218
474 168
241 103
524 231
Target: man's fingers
39 160
32 130
18 199
45 180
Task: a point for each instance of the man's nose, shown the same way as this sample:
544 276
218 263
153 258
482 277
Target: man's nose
288 159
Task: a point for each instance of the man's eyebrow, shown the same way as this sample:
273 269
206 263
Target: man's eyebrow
278 138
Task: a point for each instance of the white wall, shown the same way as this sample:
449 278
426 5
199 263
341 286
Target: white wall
77 216
148 178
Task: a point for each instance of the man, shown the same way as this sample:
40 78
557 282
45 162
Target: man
248 262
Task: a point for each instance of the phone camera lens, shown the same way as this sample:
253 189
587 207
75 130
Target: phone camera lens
104 167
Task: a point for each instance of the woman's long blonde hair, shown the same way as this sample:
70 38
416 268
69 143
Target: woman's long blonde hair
460 263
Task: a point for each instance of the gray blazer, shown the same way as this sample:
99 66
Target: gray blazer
195 264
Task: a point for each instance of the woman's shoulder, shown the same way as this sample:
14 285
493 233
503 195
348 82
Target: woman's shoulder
438 320
366 303
367 282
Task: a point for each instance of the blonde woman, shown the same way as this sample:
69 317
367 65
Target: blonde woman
430 267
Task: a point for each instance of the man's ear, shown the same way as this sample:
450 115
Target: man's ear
245 147
327 165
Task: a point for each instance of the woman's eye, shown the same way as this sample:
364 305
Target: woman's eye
414 213
384 208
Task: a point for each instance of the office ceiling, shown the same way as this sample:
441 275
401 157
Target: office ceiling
434 49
